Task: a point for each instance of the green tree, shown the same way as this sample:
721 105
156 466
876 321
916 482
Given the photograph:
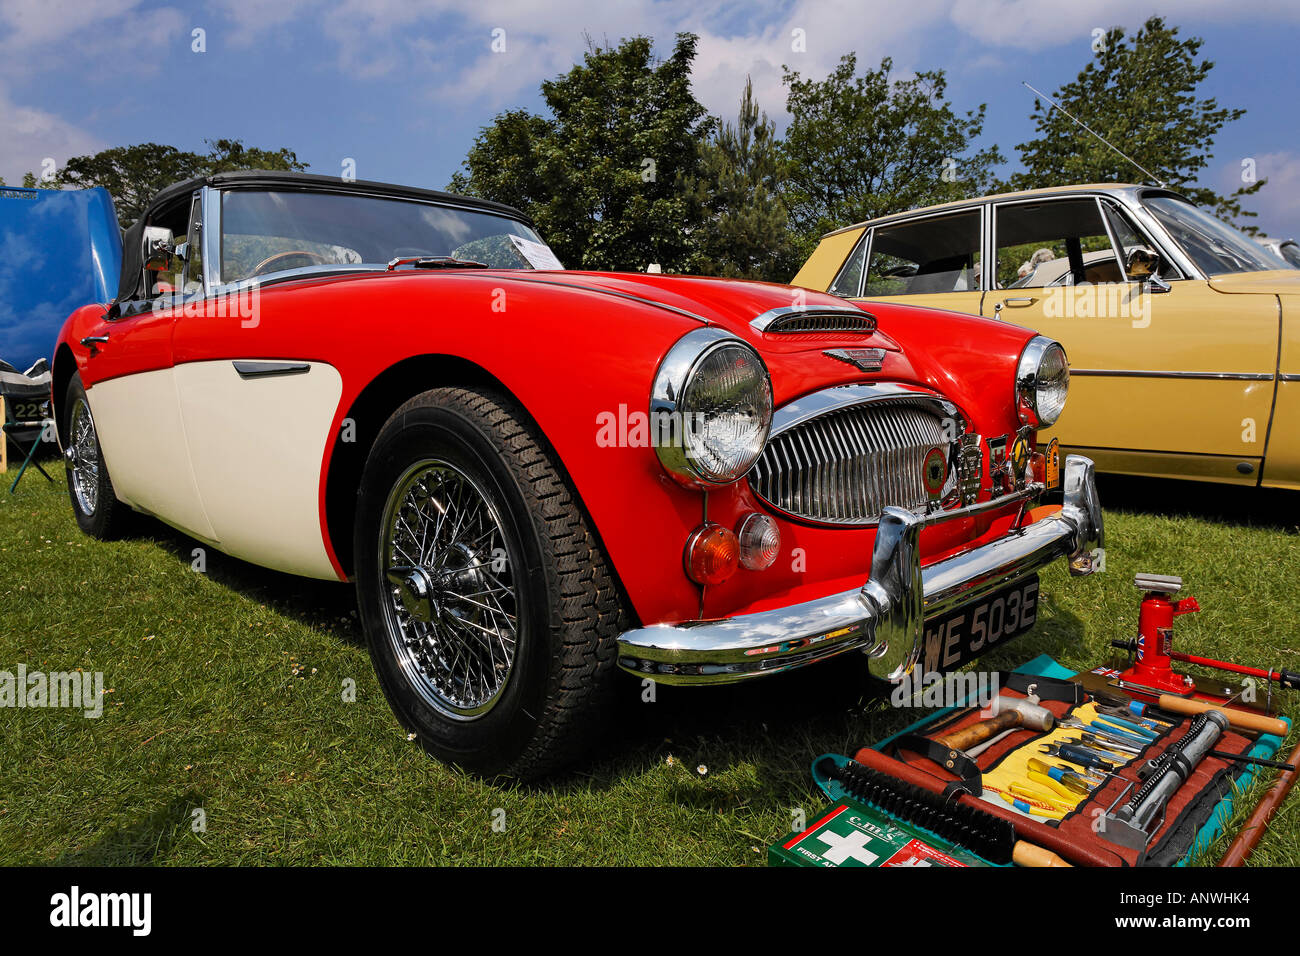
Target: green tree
606 175
859 147
1140 94
133 175
505 163
746 233
32 181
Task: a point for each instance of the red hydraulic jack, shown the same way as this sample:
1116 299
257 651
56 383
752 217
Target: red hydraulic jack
1154 645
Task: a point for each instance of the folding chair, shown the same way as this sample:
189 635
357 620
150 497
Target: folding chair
12 426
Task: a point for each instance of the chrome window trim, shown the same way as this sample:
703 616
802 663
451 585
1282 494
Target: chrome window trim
1161 240
288 275
870 234
870 237
212 235
863 243
211 203
1158 373
1142 217
986 245
1115 248
1144 234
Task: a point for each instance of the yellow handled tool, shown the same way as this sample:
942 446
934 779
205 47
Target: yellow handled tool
1030 793
1026 807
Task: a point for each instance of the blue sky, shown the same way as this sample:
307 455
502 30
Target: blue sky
401 86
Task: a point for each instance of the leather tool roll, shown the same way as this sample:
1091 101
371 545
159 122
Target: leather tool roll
1026 829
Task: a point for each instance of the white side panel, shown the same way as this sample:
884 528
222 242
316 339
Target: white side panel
138 420
257 445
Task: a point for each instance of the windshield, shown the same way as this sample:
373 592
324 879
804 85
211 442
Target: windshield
1214 246
263 232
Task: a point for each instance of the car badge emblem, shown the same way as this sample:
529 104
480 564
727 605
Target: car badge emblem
934 472
1052 464
869 360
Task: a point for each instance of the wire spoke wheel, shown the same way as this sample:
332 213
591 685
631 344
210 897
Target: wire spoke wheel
83 458
452 603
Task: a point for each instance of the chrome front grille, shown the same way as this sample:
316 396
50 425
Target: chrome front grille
847 465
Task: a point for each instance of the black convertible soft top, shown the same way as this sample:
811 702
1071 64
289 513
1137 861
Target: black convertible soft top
132 245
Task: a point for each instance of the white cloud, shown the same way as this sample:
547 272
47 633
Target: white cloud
1031 24
32 135
1278 202
33 23
80 31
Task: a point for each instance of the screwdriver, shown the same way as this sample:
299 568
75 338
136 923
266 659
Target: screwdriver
1066 778
1080 755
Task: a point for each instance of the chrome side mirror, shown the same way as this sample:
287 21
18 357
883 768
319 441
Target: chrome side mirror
158 248
1153 284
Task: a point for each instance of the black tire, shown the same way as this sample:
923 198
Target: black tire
98 511
568 610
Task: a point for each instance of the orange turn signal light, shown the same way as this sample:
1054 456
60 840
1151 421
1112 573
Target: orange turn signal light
712 554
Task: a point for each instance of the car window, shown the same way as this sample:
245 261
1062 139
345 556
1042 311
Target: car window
170 280
1138 253
1059 242
1213 245
849 281
265 232
193 276
935 254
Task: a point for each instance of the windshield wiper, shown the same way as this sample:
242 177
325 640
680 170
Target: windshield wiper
436 262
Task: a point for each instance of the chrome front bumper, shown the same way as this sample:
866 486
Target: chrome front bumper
886 617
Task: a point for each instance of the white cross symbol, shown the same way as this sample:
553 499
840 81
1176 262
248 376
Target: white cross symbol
852 846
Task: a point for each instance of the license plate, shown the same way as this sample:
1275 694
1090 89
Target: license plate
968 631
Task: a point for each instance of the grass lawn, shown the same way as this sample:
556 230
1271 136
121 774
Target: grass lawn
225 695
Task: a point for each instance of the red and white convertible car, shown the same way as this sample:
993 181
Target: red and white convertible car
536 477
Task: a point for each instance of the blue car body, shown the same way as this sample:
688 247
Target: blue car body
59 250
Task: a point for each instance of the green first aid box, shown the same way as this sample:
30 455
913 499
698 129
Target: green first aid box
850 834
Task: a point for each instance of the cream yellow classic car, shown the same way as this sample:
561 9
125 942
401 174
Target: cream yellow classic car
1183 334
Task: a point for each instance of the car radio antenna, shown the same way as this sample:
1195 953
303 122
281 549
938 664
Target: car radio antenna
1156 179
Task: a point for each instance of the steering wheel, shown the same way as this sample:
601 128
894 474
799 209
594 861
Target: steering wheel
275 259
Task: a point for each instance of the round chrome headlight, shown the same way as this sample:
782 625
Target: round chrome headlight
1042 382
710 408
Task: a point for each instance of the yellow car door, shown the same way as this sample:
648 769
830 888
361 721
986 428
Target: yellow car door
1169 377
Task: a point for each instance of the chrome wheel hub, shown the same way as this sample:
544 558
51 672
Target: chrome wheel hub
452 598
82 456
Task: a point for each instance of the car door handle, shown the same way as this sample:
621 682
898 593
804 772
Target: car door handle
1019 301
263 369
90 341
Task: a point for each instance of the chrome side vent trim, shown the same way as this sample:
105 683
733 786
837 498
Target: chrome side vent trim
847 465
793 319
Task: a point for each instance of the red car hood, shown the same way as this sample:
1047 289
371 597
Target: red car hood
970 359
730 302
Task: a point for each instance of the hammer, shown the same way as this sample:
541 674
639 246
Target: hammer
1012 713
